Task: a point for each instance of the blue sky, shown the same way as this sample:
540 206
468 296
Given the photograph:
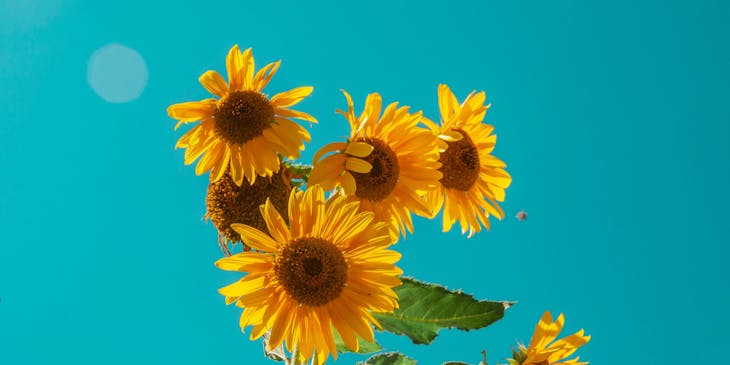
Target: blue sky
612 118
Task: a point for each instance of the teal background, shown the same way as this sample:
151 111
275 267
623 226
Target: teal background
612 117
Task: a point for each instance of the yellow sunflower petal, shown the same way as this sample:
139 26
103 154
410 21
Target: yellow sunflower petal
348 183
332 147
234 65
326 172
275 223
447 102
214 82
295 114
239 261
247 69
255 238
264 75
358 165
211 157
451 136
192 111
359 149
291 97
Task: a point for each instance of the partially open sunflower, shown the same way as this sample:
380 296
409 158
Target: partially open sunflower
473 180
387 164
544 349
244 130
326 271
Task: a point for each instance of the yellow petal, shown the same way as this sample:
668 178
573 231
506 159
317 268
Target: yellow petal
255 238
192 111
332 147
265 74
359 149
236 167
219 168
295 114
234 66
447 103
358 165
291 97
247 69
274 222
373 106
348 183
451 136
214 82
240 260
430 124
242 287
210 158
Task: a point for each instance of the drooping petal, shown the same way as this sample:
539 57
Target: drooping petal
214 82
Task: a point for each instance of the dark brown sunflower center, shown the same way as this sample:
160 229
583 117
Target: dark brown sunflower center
243 115
229 203
460 164
312 270
380 181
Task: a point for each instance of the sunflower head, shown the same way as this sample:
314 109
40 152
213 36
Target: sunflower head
473 181
544 350
387 164
242 131
326 271
229 203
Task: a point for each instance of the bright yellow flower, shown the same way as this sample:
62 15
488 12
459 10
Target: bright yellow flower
473 180
244 130
542 352
387 164
327 270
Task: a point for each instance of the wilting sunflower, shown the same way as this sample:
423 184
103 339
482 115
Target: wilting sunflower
326 271
387 164
542 352
244 129
229 203
473 180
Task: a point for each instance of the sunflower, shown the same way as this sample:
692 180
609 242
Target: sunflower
542 352
324 272
387 164
229 203
473 180
243 130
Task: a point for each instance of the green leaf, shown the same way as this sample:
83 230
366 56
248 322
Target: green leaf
364 346
427 308
388 358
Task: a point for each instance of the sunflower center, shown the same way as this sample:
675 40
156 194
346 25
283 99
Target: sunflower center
229 203
312 270
242 116
380 181
460 164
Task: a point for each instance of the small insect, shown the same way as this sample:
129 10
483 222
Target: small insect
521 216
